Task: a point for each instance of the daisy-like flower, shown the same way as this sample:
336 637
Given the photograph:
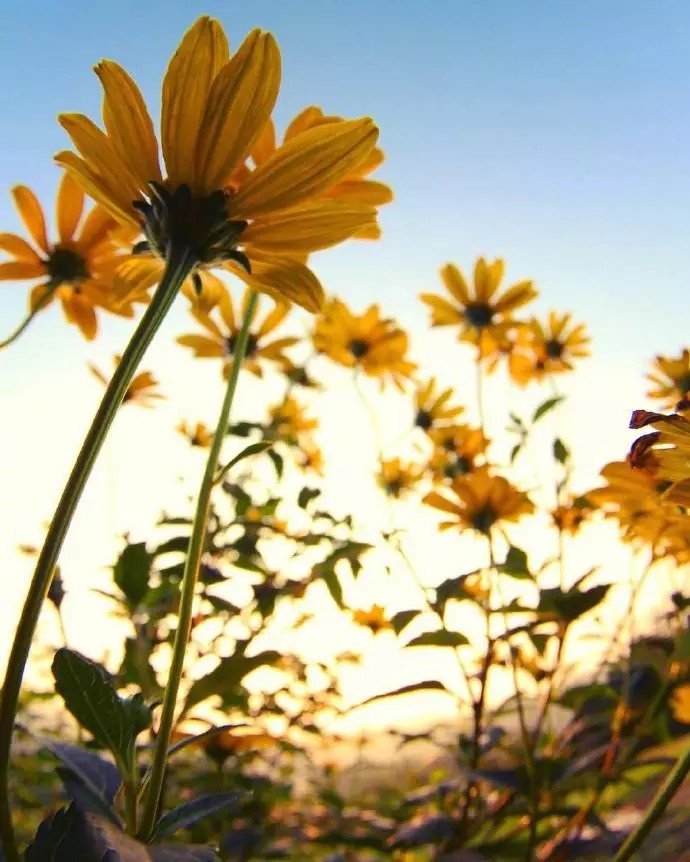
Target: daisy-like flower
457 451
206 204
221 340
432 408
367 341
481 313
670 377
547 348
374 619
311 458
143 390
479 502
569 518
289 422
77 268
397 478
664 453
197 435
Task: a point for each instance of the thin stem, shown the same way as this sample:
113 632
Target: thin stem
177 270
130 798
188 585
51 287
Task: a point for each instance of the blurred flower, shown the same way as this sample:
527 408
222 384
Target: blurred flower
481 314
457 449
142 389
569 518
78 269
665 453
480 501
374 619
214 109
197 435
542 349
221 342
680 704
311 458
432 408
397 478
289 422
369 342
670 377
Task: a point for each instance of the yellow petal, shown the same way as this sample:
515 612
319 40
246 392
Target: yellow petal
239 106
265 144
314 226
306 166
31 214
306 119
201 345
455 283
97 225
95 187
19 269
201 55
128 122
135 276
70 204
19 248
363 192
41 295
81 313
284 279
273 319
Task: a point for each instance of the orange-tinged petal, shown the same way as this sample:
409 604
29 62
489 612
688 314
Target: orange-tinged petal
369 231
95 186
455 283
443 313
438 501
201 345
128 122
516 296
81 313
273 319
135 276
306 166
41 295
306 119
363 192
97 225
70 205
285 279
239 106
201 55
31 214
265 144
19 248
19 269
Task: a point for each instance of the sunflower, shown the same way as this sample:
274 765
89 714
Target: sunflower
397 478
221 341
142 390
208 205
457 450
77 269
432 408
369 342
289 422
481 501
550 348
374 619
671 378
481 314
197 435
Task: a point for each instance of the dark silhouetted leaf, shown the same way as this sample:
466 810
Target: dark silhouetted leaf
431 831
516 564
546 406
131 573
332 582
306 495
402 619
560 451
247 452
426 685
440 638
228 676
191 812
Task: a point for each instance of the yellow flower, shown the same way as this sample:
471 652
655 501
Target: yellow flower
142 389
289 422
374 619
664 454
397 478
369 342
432 408
569 518
457 449
550 348
197 435
680 704
311 458
78 268
480 502
214 109
221 341
480 313
671 378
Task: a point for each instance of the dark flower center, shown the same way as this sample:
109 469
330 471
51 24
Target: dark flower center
554 348
358 347
65 265
460 467
479 314
423 420
683 383
252 344
483 519
176 220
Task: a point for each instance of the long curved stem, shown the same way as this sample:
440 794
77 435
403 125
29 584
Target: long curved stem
188 585
177 270
51 287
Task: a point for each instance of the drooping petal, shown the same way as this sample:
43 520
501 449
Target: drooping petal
273 319
362 191
97 225
19 248
31 213
201 55
265 144
201 345
81 313
20 269
284 279
128 122
238 107
41 295
306 166
70 205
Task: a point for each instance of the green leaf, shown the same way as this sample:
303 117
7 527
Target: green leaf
131 573
227 677
277 461
439 638
514 452
547 406
560 451
426 685
90 697
192 812
402 619
332 582
453 588
515 564
247 452
306 495
569 606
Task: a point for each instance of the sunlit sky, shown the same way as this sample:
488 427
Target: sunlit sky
553 135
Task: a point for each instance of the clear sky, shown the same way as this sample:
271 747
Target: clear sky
555 135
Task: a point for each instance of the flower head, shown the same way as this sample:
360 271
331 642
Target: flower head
369 342
397 478
222 335
432 408
547 348
207 203
77 268
670 377
142 390
664 454
457 451
289 422
480 501
197 435
374 619
481 313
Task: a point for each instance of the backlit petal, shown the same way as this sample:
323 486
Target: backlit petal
70 204
285 279
19 248
31 214
20 269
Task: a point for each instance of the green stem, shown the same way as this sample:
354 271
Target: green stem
188 585
177 270
51 287
666 793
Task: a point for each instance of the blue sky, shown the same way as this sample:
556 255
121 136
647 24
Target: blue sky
555 135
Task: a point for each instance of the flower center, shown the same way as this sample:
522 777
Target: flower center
231 343
460 467
483 519
176 220
66 265
683 383
479 314
358 347
423 420
554 348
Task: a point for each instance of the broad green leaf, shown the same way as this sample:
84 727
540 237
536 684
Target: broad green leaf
546 406
192 812
247 452
440 638
516 564
402 619
131 573
227 677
